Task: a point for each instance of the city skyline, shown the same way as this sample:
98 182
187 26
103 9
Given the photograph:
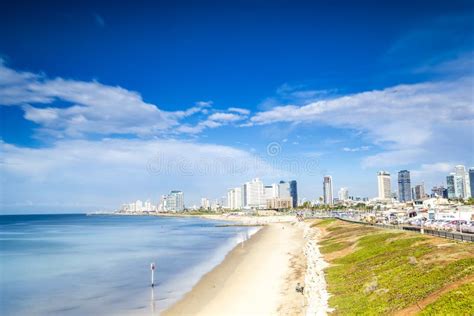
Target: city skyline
95 113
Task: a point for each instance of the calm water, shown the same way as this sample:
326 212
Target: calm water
83 265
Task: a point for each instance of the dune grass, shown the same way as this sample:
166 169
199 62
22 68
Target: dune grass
457 302
387 271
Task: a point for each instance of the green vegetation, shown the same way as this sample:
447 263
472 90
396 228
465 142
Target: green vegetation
457 302
388 271
334 246
323 222
469 201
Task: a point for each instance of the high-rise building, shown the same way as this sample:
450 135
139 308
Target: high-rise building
404 186
460 183
284 190
138 206
384 186
419 192
327 190
471 181
253 194
205 203
270 191
450 186
343 194
234 198
175 201
294 193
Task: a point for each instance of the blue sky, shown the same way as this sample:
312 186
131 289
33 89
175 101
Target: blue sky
103 103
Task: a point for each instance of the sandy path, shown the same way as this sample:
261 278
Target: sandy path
257 278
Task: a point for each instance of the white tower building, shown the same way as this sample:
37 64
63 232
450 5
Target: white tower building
384 185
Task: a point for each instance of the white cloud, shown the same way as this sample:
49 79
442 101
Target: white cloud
239 110
409 122
214 120
225 117
94 108
356 149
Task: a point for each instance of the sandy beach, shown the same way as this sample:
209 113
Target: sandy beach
258 277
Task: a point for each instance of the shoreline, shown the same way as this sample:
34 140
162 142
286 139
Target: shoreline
257 277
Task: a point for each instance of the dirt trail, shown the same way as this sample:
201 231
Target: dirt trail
417 307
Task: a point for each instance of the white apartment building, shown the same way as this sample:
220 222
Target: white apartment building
343 194
384 185
175 201
234 198
205 203
253 194
284 190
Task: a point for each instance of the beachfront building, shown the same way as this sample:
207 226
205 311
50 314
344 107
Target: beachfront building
294 193
175 201
278 203
404 186
253 194
327 190
284 190
384 186
270 191
234 198
205 204
343 194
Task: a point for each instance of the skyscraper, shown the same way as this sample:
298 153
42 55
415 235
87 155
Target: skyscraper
471 181
460 183
343 194
253 194
450 186
284 189
327 190
294 193
384 186
404 186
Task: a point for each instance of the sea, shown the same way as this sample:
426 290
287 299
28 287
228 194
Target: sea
77 264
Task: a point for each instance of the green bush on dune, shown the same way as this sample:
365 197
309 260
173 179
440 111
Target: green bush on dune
457 302
387 271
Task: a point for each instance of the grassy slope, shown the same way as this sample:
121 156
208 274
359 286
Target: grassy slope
378 272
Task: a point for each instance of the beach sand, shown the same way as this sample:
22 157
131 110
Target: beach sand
258 277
